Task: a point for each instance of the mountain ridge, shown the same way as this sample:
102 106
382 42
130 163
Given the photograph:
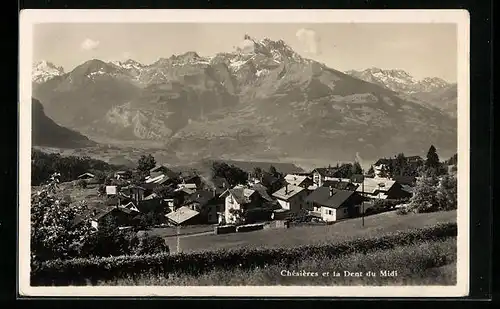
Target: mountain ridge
261 98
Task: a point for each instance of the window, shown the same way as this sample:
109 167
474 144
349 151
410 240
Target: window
345 210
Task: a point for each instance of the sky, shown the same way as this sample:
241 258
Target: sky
423 50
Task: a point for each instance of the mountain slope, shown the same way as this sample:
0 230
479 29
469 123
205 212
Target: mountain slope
46 132
262 100
433 91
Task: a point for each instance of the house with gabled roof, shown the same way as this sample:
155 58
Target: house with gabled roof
332 204
239 198
183 216
303 181
162 169
205 202
381 188
291 198
121 215
341 184
321 174
86 176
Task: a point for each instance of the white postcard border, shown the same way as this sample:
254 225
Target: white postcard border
30 17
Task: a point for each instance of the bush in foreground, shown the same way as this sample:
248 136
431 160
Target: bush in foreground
427 263
78 271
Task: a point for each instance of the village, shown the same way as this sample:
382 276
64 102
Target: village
265 198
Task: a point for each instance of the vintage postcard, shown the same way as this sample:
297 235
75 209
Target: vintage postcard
304 153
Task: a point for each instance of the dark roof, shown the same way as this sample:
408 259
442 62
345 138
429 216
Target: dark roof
201 197
327 171
148 205
405 180
414 158
241 194
270 179
165 170
341 185
101 213
383 161
262 190
322 197
407 188
218 183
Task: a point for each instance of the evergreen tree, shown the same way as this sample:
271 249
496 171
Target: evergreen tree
273 171
146 163
371 172
257 173
356 169
432 161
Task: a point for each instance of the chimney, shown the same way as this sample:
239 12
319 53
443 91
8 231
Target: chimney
215 192
286 189
331 190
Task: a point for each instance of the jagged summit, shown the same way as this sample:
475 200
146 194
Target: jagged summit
45 70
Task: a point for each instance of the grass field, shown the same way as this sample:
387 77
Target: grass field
427 263
305 235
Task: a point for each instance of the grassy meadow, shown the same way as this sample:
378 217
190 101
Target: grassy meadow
311 235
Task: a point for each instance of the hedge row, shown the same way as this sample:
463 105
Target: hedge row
81 271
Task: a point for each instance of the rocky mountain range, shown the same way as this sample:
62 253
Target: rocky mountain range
261 100
430 90
46 132
44 70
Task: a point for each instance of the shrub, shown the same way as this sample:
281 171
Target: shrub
225 229
249 228
402 211
150 244
80 270
82 183
447 193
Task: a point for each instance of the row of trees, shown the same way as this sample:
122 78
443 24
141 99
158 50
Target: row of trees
401 166
43 165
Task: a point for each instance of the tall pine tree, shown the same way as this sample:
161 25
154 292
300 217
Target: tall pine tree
432 158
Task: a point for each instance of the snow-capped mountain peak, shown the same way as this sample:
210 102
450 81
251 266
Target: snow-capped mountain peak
45 70
128 64
398 80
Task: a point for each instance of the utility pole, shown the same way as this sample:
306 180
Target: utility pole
178 240
363 197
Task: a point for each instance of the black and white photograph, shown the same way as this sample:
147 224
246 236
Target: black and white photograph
244 153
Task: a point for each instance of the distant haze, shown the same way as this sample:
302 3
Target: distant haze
423 50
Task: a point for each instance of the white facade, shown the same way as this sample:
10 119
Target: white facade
294 203
319 179
230 203
331 214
